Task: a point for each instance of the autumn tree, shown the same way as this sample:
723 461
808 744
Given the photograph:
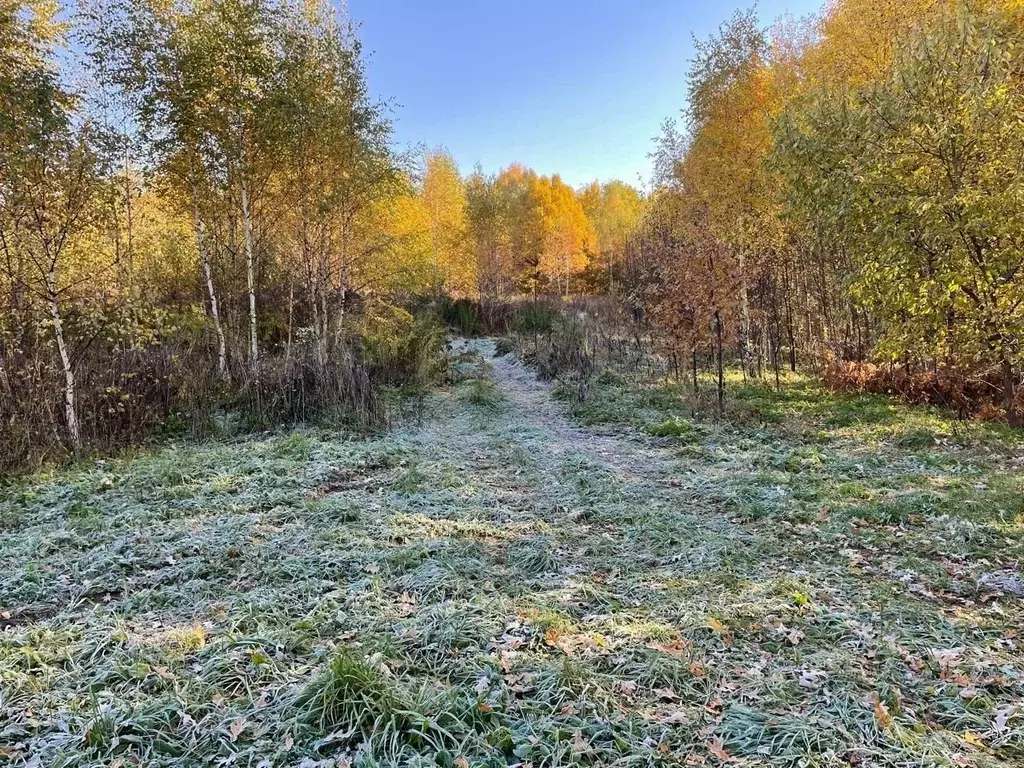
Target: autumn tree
614 210
444 194
49 179
565 232
919 171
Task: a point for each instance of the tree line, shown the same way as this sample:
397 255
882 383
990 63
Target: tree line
203 211
844 191
202 207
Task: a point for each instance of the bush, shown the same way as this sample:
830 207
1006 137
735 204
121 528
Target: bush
969 393
674 427
301 389
124 396
406 352
504 346
128 393
469 317
482 393
534 318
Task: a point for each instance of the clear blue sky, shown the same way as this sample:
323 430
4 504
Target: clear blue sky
574 87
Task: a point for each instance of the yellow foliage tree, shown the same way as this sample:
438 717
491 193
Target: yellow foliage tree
567 234
447 206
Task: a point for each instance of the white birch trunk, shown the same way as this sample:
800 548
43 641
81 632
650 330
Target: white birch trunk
70 414
204 260
250 273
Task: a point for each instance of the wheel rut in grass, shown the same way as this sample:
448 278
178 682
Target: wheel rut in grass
649 502
533 402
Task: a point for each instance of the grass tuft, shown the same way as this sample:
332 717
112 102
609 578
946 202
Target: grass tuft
350 695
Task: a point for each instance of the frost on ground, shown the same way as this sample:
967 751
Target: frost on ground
498 584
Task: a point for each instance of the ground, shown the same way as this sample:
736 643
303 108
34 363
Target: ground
508 578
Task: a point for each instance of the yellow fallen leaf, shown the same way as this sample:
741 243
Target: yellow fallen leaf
973 740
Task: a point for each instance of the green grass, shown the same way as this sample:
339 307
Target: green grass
641 585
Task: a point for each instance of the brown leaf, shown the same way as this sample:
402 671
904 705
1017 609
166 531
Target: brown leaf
236 728
579 744
717 748
882 714
626 687
673 648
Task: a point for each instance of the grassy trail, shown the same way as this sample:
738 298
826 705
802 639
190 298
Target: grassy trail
497 584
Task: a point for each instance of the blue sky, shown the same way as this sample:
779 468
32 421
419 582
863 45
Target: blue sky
574 87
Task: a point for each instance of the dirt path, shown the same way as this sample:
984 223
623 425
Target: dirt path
533 402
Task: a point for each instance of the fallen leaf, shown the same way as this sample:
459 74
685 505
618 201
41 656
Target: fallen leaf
1000 721
236 728
626 687
673 648
973 740
882 713
675 718
717 748
579 743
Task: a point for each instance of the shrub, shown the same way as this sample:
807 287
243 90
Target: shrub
124 394
482 393
462 315
535 317
133 390
674 427
504 346
404 351
967 392
303 389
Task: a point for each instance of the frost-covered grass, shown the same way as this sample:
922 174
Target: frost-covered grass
496 584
